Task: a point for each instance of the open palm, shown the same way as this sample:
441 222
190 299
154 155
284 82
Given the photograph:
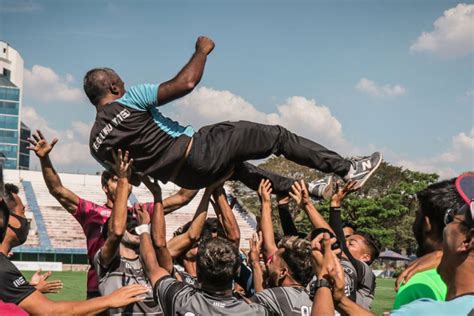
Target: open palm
40 145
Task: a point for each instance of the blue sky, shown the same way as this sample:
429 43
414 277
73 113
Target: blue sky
354 75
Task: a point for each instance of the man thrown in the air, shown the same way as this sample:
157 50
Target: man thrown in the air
165 150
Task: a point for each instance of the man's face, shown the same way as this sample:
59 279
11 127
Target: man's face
455 234
276 268
111 188
131 240
457 245
358 248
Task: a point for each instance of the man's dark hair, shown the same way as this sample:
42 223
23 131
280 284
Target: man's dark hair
97 82
217 263
350 225
10 189
297 256
212 225
372 244
436 199
105 177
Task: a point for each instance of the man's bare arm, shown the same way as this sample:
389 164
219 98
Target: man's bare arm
299 193
269 245
182 242
118 219
150 263
185 81
68 199
158 226
39 304
178 200
223 210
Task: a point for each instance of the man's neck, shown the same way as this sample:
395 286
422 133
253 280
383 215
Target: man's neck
128 253
289 282
5 247
462 280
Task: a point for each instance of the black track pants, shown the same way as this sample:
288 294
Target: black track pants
224 146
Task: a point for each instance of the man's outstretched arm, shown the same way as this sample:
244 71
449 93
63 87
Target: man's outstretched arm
185 81
68 199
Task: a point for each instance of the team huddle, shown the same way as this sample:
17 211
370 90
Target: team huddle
202 269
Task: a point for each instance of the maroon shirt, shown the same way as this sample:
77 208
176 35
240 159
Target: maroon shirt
91 217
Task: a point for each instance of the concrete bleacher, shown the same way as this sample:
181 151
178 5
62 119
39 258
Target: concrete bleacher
54 229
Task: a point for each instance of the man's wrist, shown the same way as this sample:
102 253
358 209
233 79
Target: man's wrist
142 229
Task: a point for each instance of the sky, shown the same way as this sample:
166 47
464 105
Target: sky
355 76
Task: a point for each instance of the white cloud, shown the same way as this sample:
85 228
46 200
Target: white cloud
453 33
300 115
72 151
43 84
457 158
372 88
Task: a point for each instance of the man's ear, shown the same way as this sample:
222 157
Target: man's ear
427 228
365 258
114 89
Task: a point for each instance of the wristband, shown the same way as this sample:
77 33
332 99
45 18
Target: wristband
144 228
322 283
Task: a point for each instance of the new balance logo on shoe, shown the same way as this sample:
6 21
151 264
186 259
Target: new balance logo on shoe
366 165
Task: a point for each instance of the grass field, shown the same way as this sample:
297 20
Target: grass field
75 289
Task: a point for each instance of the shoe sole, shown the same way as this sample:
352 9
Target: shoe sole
360 183
329 190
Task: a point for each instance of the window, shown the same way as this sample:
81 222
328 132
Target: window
8 137
10 164
9 122
25 161
8 107
12 94
9 151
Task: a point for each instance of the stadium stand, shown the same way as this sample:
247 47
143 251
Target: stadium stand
54 231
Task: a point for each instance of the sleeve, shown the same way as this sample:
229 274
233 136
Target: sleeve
141 97
14 288
268 299
83 209
99 267
411 292
171 293
287 224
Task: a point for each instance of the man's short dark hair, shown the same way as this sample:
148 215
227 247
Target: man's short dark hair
105 177
350 225
297 256
97 82
217 262
372 244
212 225
11 189
436 199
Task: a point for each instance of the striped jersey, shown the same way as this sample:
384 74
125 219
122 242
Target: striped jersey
285 300
178 298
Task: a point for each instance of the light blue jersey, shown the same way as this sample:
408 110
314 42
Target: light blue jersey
144 97
462 305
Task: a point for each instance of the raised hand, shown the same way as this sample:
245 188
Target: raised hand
341 193
299 193
255 247
204 45
122 165
322 254
40 145
264 191
143 217
127 295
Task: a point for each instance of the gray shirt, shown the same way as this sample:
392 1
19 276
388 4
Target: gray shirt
359 280
120 272
178 298
285 300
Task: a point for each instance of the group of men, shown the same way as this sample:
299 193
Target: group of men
201 270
